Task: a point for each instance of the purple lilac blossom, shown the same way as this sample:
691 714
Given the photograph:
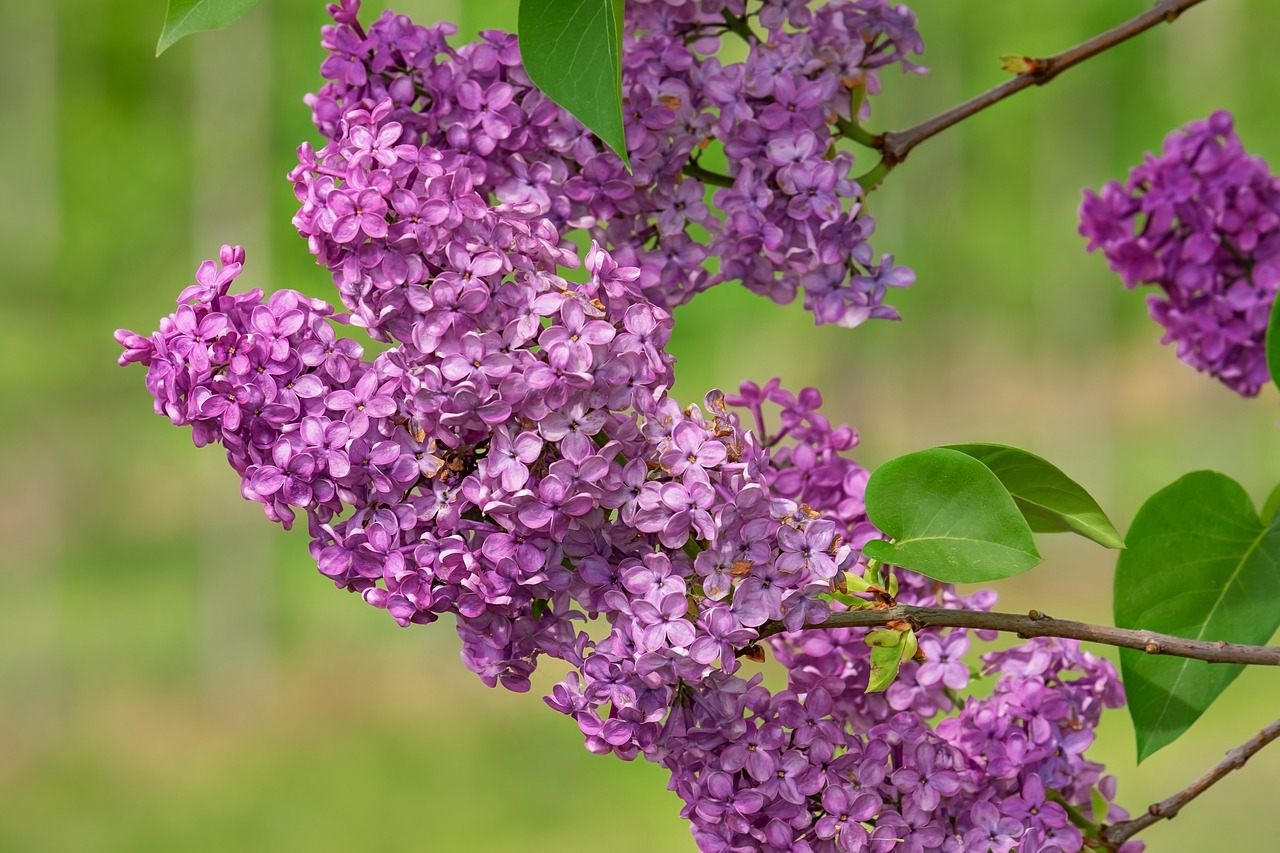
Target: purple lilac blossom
820 765
515 459
789 216
1201 221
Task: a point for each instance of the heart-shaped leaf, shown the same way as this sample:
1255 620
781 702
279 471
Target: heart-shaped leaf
1050 500
184 17
572 50
1201 565
1272 505
950 518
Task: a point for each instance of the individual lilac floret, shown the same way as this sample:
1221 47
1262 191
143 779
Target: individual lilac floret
1201 221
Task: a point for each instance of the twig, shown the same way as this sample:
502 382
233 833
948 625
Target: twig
896 145
850 129
1037 624
1077 817
740 26
1117 834
693 170
870 181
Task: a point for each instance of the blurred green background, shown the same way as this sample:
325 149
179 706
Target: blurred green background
175 676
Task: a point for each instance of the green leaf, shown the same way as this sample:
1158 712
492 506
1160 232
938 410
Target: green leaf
950 517
910 645
857 583
872 575
1272 506
572 51
1099 805
886 655
845 599
1050 500
1273 343
184 17
1201 565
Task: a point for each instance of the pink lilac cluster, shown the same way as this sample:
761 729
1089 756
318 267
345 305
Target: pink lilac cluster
1202 222
514 459
787 212
822 765
685 533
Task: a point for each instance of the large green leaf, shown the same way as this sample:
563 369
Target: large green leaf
572 50
950 518
1271 506
1273 342
184 17
1201 565
1050 500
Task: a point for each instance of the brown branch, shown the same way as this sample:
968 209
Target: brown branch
1037 624
896 145
1117 834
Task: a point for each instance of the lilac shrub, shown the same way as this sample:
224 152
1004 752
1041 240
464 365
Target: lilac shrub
1201 221
515 458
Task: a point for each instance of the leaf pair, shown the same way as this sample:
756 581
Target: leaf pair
1198 563
965 513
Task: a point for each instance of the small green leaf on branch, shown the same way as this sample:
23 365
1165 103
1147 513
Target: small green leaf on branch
857 583
886 657
950 518
847 600
885 637
184 17
1099 805
1199 564
910 647
1017 64
872 574
1050 500
572 51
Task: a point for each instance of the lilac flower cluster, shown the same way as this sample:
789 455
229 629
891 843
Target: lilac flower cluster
823 765
789 214
514 458
1202 222
681 531
295 407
